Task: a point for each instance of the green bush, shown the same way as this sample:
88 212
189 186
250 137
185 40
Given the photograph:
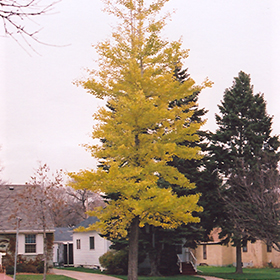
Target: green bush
40 267
10 270
29 266
115 262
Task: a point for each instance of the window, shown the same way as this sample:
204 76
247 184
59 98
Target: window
245 247
30 243
204 252
78 243
269 248
91 242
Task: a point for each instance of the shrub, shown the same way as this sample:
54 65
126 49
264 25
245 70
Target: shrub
21 267
30 268
270 264
10 270
115 262
24 265
40 267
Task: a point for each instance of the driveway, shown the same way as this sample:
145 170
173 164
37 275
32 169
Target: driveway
5 277
82 275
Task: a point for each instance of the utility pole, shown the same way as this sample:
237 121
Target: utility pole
16 249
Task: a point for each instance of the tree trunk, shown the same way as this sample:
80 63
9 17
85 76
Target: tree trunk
45 242
238 258
45 256
133 250
154 258
154 255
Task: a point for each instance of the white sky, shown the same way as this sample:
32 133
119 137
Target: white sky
44 117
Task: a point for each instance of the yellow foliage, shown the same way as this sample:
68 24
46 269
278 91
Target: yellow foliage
141 132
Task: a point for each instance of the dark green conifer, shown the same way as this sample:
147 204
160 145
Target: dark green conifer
240 147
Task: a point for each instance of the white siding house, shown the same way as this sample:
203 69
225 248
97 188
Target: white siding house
89 246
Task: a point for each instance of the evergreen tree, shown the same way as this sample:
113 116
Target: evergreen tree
143 132
241 141
203 173
198 171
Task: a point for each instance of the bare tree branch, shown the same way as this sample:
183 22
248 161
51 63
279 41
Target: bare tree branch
15 15
252 199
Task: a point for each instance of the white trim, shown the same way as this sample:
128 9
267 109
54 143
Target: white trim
27 231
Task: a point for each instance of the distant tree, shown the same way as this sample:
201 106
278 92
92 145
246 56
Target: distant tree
15 13
243 136
40 197
3 198
66 206
80 202
253 202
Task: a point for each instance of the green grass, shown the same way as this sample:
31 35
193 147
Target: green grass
39 277
219 272
178 277
81 269
248 273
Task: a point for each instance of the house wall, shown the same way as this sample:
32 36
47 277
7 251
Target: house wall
273 258
216 255
222 255
255 254
229 254
86 256
1 254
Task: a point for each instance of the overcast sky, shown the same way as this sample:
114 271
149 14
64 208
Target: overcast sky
44 117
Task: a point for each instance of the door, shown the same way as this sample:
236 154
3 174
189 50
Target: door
68 254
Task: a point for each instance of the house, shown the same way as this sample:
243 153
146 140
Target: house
17 216
63 247
88 246
256 254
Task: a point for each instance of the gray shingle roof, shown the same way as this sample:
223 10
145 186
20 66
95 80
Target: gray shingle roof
87 222
13 205
63 234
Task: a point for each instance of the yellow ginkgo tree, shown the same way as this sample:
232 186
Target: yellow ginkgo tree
139 129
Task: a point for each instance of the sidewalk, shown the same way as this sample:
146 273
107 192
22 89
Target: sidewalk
5 277
81 275
208 277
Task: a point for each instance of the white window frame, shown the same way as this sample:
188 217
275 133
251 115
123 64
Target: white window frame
30 240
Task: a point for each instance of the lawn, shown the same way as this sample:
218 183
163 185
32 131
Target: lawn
81 269
220 272
177 277
248 273
39 277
